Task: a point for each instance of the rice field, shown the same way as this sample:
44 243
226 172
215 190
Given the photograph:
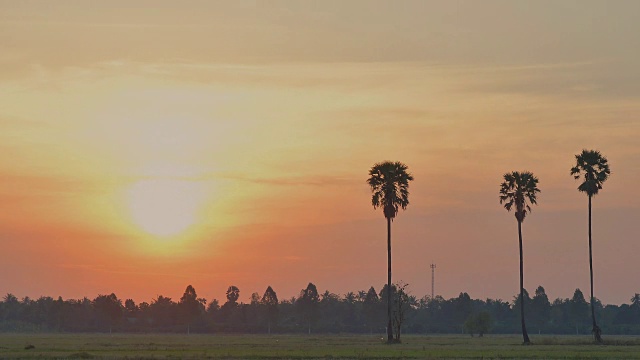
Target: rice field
176 346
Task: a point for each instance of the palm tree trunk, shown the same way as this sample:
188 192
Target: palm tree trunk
525 336
595 330
389 329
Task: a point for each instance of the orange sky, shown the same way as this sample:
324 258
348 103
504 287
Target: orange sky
149 145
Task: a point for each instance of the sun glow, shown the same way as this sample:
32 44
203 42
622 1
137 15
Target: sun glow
165 207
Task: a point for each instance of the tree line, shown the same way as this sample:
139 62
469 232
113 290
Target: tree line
312 312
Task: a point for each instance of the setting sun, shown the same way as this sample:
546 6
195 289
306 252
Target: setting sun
164 207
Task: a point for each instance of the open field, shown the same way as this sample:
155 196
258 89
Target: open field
157 346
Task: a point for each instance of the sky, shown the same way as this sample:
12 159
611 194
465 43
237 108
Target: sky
150 145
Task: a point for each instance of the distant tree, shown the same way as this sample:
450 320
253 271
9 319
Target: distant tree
230 313
213 306
350 297
255 298
189 307
130 309
384 294
593 168
389 182
10 299
331 309
540 308
578 309
401 304
109 309
560 314
270 302
351 310
518 191
253 312
478 323
634 308
11 307
130 305
517 300
163 312
463 307
144 313
371 307
143 306
308 303
213 312
233 294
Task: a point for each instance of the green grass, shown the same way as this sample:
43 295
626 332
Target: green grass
157 346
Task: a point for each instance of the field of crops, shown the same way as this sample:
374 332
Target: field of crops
159 346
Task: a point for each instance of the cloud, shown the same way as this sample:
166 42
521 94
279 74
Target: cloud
596 80
307 180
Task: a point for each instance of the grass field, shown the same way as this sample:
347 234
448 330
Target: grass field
157 346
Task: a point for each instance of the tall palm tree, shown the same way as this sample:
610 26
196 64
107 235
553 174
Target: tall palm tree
389 183
519 190
594 169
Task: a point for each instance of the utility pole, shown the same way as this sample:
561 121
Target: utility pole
433 280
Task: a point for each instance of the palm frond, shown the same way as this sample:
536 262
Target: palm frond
519 189
593 168
389 182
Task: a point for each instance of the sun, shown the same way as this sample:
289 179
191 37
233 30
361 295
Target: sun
165 207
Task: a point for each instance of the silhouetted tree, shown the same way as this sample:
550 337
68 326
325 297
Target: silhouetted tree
389 182
163 312
593 168
634 308
308 303
233 294
131 310
519 190
371 308
270 302
400 308
229 312
189 307
578 309
11 306
109 309
463 307
540 308
213 306
213 312
478 323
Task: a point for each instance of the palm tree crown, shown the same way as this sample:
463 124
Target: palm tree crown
519 189
593 168
389 183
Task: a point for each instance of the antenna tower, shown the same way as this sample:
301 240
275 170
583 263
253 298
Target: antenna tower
433 279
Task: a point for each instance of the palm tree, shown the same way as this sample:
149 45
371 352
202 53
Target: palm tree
389 183
594 169
519 190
